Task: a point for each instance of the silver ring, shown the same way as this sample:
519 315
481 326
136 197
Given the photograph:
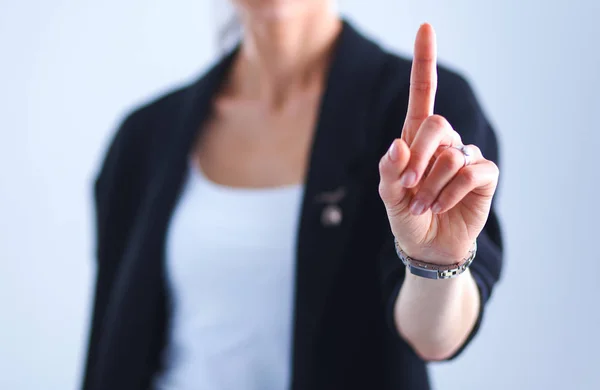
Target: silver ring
464 149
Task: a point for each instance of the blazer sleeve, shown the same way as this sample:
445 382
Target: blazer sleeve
455 101
115 198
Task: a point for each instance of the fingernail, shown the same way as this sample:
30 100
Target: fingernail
408 178
436 208
417 207
393 151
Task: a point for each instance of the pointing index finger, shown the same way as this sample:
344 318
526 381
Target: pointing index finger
423 79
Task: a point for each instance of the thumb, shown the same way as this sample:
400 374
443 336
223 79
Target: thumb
395 196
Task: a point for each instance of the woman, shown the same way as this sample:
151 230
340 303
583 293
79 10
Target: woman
242 238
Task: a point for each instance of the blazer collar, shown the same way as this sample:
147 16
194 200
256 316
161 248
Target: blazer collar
353 64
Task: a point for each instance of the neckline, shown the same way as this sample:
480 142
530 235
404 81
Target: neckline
199 176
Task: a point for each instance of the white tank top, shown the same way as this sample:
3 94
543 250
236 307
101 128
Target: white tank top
230 265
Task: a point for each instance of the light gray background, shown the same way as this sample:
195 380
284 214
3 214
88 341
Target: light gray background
70 69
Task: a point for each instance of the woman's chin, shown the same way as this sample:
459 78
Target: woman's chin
275 10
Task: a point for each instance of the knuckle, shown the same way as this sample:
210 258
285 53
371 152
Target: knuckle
474 148
451 159
457 138
456 135
437 123
416 156
390 199
381 187
383 191
474 151
469 177
425 87
381 164
424 62
495 169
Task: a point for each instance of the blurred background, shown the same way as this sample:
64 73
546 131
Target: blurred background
70 70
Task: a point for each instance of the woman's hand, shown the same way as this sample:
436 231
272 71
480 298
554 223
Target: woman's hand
437 199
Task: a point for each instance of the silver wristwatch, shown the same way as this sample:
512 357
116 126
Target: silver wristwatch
434 271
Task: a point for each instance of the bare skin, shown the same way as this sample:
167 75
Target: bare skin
264 119
261 131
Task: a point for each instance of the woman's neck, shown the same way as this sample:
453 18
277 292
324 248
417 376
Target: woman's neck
284 54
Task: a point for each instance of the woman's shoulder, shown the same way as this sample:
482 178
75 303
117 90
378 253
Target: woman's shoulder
168 106
146 116
138 128
147 127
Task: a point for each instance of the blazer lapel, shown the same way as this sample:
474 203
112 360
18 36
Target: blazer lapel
139 312
172 172
333 186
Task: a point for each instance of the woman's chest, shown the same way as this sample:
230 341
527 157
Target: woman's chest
251 146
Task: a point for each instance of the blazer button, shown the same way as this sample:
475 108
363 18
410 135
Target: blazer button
331 215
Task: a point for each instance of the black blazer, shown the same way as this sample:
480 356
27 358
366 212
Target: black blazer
347 275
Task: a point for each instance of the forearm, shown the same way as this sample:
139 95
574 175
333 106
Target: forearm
436 316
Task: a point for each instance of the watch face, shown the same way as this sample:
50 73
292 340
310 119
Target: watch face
424 273
432 271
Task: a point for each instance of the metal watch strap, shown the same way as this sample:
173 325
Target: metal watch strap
435 271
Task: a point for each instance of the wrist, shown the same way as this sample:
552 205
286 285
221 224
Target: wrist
430 270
